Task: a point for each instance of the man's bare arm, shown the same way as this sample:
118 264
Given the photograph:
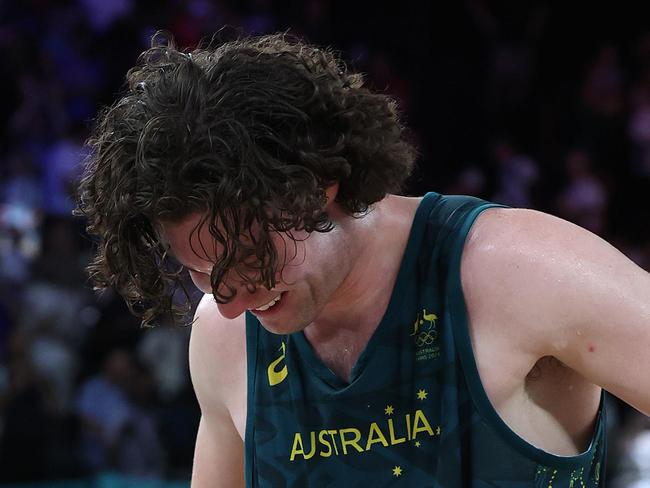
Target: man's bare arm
218 454
217 356
568 294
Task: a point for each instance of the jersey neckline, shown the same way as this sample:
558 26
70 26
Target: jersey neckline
407 268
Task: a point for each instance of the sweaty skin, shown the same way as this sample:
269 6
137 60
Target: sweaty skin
572 292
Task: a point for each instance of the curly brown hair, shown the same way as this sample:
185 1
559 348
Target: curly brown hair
249 132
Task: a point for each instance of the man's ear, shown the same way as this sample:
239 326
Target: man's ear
330 193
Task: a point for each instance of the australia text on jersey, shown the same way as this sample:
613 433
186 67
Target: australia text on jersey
339 442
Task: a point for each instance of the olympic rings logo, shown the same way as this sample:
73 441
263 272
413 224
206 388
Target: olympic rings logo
426 338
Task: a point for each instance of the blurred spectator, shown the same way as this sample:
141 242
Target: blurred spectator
316 16
61 166
516 175
511 41
602 91
15 247
20 185
56 362
37 442
584 198
260 18
602 119
118 433
55 295
385 79
470 181
639 125
101 14
20 211
164 351
42 113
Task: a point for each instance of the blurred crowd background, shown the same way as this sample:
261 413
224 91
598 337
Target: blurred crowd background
532 104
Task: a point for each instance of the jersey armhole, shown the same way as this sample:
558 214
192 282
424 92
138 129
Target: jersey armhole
456 311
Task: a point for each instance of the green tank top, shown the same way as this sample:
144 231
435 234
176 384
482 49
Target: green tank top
414 412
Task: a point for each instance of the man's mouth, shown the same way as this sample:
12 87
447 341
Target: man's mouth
268 305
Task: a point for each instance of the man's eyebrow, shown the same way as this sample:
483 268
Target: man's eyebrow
170 253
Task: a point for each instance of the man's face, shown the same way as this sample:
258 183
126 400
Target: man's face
307 275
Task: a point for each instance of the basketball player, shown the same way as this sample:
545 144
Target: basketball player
349 336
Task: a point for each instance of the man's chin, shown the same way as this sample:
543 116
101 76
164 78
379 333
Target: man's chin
279 329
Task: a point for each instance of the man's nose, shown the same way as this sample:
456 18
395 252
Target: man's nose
242 300
236 306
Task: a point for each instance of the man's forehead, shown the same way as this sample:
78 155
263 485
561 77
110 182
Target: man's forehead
188 239
192 235
170 232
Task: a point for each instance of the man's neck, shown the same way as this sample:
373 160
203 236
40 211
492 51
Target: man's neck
376 245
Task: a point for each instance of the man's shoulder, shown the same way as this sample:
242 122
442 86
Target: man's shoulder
519 267
217 352
510 240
